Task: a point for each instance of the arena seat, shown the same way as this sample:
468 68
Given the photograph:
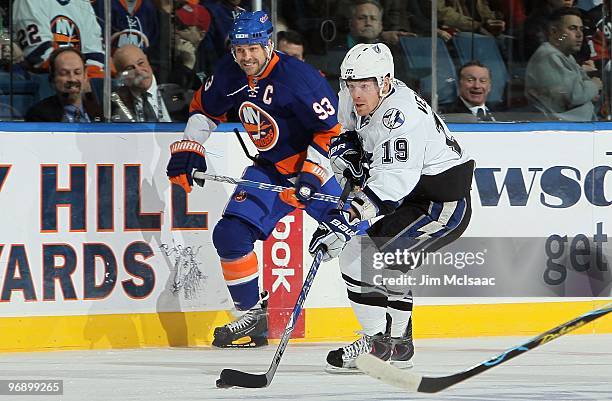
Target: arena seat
417 51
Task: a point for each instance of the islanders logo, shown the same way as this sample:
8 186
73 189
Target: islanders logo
132 35
260 126
129 37
240 196
65 32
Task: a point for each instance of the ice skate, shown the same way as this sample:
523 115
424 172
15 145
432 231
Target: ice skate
249 330
402 349
343 359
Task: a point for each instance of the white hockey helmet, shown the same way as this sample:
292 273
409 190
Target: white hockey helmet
368 61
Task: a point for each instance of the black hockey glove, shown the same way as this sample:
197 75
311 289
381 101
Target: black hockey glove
333 233
347 157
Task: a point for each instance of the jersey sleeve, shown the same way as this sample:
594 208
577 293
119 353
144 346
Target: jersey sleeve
397 162
208 107
34 36
91 43
212 98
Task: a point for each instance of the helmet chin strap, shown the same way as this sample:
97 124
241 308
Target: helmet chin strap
382 95
269 50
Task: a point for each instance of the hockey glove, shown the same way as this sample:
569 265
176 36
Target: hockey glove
308 183
332 234
186 156
347 157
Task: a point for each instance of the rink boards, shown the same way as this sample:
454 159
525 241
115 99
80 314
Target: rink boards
98 251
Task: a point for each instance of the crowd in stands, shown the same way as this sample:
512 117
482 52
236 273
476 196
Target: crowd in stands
544 59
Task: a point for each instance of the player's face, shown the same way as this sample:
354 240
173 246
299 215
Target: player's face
568 35
251 58
475 85
69 75
365 94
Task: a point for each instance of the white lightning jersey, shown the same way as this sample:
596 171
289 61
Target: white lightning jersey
405 140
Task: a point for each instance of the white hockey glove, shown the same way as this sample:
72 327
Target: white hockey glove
346 157
332 234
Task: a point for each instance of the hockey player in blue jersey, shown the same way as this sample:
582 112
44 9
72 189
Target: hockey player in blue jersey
289 112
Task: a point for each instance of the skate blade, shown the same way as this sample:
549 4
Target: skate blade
334 370
244 342
402 364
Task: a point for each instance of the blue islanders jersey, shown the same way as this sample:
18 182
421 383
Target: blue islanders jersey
289 111
138 27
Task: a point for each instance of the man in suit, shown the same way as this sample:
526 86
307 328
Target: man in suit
474 88
73 101
139 98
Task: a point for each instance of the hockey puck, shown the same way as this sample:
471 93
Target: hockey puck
221 384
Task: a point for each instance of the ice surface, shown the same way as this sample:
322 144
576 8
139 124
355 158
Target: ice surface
575 367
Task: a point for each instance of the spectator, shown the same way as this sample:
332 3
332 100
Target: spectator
191 25
366 24
291 43
479 17
474 87
395 20
366 27
133 22
11 58
419 13
139 97
555 83
223 13
42 26
513 10
73 101
596 49
535 25
597 35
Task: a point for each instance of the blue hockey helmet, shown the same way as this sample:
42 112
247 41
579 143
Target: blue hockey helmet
251 28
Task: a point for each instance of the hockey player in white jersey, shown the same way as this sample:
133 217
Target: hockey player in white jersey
410 174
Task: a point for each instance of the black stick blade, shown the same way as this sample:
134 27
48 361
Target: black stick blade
231 377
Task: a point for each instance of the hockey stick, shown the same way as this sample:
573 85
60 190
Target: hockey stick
383 371
231 377
198 175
